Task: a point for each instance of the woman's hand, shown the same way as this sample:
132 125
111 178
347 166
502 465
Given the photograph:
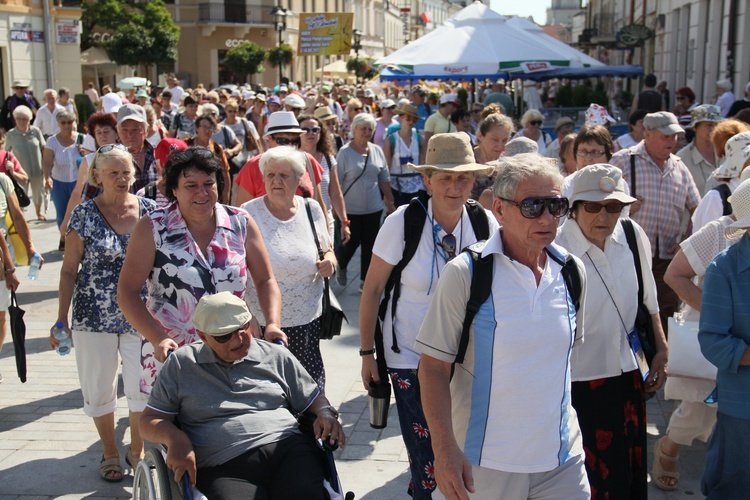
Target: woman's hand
369 371
12 281
53 342
327 266
162 349
274 333
48 184
346 234
658 374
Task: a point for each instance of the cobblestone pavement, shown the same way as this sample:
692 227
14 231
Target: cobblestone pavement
49 448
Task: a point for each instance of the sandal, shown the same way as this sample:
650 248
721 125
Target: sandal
109 468
658 472
132 460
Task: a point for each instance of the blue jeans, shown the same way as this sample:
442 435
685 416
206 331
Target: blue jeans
725 474
414 432
60 194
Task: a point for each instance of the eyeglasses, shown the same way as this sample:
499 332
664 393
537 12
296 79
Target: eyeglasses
109 147
283 141
310 130
590 154
536 123
223 339
66 122
533 208
593 207
449 245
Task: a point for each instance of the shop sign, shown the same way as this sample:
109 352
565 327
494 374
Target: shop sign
234 42
325 34
68 32
633 35
532 67
26 36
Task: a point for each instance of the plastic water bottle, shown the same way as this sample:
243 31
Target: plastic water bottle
60 334
34 263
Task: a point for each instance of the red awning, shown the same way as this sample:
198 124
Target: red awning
426 18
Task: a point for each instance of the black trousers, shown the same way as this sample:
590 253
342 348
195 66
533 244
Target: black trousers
290 468
364 229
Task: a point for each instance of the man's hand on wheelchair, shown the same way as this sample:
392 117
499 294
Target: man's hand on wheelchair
328 428
181 459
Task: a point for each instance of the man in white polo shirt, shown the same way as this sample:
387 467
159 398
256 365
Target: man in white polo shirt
503 425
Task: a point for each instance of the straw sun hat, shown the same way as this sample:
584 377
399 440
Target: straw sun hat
740 201
451 152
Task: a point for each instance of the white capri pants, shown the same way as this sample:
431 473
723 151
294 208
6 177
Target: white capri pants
97 361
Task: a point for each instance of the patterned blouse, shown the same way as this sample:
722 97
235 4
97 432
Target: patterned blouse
182 274
95 306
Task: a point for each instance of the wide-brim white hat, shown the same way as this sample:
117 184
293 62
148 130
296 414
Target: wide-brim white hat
450 152
740 201
282 121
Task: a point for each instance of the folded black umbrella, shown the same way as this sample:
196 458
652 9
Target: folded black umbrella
18 331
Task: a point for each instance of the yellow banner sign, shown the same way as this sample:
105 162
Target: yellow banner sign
325 34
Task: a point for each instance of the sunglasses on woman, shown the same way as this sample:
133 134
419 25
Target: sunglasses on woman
593 207
310 130
109 147
537 123
189 155
449 245
533 208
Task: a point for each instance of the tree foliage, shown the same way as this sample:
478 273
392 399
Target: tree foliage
281 55
245 59
143 31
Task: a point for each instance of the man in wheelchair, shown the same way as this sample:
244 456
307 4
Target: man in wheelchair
236 398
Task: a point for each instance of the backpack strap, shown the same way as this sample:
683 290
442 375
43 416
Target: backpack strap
481 287
478 218
725 193
573 282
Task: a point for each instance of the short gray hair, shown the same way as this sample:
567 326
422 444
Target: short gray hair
362 119
511 171
100 161
50 91
22 111
529 115
64 115
286 154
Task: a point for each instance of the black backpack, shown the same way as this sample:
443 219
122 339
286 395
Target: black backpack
415 216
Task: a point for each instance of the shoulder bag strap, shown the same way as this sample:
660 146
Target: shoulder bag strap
311 173
632 175
367 157
312 226
627 226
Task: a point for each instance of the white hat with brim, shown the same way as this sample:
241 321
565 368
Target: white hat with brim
220 314
600 182
452 152
282 122
740 201
736 154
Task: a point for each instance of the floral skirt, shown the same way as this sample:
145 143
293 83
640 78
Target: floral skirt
612 415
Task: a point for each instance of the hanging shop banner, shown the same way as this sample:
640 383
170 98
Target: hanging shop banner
325 34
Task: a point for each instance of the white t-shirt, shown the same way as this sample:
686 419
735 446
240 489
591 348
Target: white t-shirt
419 278
511 408
177 93
293 254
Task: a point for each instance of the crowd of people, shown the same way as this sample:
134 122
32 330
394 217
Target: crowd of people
164 199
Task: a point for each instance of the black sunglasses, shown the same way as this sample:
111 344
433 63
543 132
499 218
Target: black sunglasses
449 245
223 339
536 122
189 155
533 208
109 147
593 207
283 141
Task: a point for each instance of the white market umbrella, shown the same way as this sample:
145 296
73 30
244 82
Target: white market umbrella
132 82
477 43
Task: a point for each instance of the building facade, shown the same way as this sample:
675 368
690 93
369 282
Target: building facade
562 11
39 43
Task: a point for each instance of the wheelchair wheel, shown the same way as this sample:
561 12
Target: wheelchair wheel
152 478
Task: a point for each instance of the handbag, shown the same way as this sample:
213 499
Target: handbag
333 316
644 326
685 357
23 198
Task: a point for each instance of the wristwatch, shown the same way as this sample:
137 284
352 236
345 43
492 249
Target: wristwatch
367 352
329 408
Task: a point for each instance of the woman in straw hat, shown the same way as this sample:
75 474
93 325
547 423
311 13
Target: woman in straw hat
693 418
448 172
403 145
608 389
724 335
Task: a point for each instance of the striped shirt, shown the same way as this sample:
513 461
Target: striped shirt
667 193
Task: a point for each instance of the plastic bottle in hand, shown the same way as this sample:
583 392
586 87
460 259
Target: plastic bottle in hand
34 263
62 336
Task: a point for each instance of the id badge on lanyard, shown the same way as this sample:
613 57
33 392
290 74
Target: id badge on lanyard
640 356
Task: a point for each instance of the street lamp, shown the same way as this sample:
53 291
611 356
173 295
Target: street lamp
280 14
357 46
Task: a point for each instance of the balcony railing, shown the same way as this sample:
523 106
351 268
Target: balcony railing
605 24
234 14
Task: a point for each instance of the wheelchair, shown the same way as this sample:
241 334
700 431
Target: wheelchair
154 481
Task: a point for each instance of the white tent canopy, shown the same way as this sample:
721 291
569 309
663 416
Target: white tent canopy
480 43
